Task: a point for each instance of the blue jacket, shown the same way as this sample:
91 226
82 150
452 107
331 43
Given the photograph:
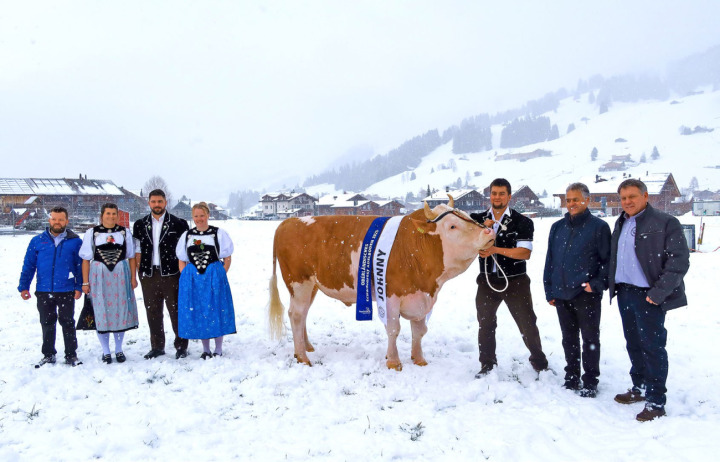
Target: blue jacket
59 269
578 251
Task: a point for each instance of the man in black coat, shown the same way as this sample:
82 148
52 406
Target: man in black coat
649 257
576 274
513 246
156 237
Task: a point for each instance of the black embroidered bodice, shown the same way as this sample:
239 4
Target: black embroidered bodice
202 255
110 252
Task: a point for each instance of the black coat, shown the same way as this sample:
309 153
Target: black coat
519 228
663 253
172 229
578 251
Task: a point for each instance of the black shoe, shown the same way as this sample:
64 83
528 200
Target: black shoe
154 354
107 359
217 354
206 355
120 357
49 359
72 360
485 370
588 392
572 385
182 353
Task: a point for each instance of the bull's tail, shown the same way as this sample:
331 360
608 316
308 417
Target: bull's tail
275 306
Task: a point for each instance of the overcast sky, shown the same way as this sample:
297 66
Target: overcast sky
220 96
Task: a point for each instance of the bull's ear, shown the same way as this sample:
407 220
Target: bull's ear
422 227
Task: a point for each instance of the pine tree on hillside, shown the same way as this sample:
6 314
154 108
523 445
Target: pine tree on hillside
570 128
591 97
655 154
694 185
412 176
554 133
643 159
594 154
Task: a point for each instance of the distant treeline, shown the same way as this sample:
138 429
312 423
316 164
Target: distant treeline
526 125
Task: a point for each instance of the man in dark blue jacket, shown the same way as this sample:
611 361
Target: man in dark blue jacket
576 274
54 255
649 257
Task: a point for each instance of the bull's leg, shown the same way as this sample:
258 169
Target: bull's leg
308 345
419 329
393 330
299 305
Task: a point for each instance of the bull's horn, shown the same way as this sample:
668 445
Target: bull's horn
451 204
429 213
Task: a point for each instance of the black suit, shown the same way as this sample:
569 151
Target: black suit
160 286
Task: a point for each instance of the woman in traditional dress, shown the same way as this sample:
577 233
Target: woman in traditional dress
205 305
108 268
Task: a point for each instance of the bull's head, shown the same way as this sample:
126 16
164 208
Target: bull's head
458 229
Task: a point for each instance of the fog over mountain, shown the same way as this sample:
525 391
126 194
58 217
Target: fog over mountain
219 97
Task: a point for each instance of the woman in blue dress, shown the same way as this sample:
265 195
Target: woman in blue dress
205 305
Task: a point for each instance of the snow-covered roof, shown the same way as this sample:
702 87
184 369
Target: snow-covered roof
330 199
58 187
443 195
653 181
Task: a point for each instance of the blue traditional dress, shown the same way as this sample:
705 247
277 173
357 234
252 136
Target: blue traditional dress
205 305
111 291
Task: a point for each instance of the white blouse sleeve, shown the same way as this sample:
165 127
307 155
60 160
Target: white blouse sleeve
180 249
86 249
137 246
226 244
129 244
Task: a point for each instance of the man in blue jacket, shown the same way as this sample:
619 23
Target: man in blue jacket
576 274
649 257
54 255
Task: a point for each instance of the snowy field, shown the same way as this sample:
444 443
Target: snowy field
256 403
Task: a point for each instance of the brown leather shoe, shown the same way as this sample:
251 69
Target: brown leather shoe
633 395
650 412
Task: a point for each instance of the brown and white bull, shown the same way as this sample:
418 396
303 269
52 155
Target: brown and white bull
323 253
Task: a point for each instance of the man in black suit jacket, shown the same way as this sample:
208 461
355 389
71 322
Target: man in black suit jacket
156 237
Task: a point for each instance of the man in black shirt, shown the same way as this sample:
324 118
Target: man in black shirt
513 245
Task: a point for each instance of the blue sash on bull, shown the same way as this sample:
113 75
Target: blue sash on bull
363 309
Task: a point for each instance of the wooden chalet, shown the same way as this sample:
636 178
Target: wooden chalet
183 209
468 200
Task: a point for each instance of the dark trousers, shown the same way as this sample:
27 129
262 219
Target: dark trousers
157 290
581 316
54 307
519 301
645 336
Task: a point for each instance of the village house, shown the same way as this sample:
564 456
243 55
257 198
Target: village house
468 200
523 199
24 201
183 209
285 205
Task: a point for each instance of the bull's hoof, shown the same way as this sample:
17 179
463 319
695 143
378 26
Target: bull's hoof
305 360
419 362
309 348
397 365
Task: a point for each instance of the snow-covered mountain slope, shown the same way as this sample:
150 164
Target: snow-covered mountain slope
643 125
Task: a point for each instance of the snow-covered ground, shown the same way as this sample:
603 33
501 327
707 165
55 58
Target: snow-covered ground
256 403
